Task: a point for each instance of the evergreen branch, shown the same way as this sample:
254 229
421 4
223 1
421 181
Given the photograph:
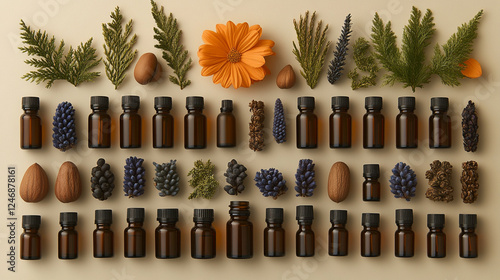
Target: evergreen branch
365 61
337 64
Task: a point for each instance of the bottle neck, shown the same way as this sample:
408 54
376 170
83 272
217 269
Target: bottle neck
372 110
226 110
162 111
338 225
305 224
167 224
468 230
195 110
130 110
31 230
371 179
306 110
371 228
135 224
274 225
67 227
339 110
99 110
203 224
29 111
435 229
404 226
239 217
439 111
406 110
103 226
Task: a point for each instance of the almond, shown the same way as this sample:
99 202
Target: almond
286 77
147 69
34 185
339 182
68 185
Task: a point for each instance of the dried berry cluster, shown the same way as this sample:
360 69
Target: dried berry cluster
439 177
403 181
64 132
256 126
304 178
134 178
102 180
469 127
279 124
166 178
270 182
235 174
469 180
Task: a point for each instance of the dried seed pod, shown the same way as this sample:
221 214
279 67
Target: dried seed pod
133 178
403 181
63 130
470 127
304 178
166 178
102 179
256 126
439 177
279 124
469 180
235 174
270 182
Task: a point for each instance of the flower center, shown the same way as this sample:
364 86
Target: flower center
233 56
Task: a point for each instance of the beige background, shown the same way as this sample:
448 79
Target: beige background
76 21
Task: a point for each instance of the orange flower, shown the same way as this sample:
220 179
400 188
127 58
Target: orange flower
234 55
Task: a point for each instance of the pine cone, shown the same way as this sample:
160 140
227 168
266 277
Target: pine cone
304 178
166 178
134 178
469 180
256 126
102 180
469 127
270 182
235 174
64 133
337 64
403 181
279 125
439 177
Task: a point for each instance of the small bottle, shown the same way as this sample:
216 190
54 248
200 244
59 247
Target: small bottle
239 231
406 124
468 237
340 123
307 123
103 235
99 125
167 235
304 238
226 126
436 238
404 237
373 123
68 236
30 239
195 124
370 236
338 235
31 124
130 123
371 185
134 235
163 123
203 237
439 124
274 233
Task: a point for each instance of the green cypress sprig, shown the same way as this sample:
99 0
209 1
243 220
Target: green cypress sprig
365 61
203 180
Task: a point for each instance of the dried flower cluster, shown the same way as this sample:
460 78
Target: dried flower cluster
439 177
469 180
304 178
403 181
270 182
235 175
279 124
134 179
469 127
256 126
166 178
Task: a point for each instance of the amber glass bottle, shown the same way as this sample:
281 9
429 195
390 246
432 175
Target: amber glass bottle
404 237
406 124
304 238
274 233
468 237
436 238
338 235
439 124
68 236
306 123
371 185
203 237
373 123
30 239
167 235
130 123
103 235
226 126
99 124
31 124
340 123
134 235
370 236
163 123
239 231
195 124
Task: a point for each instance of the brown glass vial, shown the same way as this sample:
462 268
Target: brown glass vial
370 236
404 237
436 238
103 235
31 124
468 236
226 125
163 123
134 239
195 124
99 124
274 233
130 123
68 236
439 124
338 236
371 185
203 237
167 234
304 238
239 231
373 123
306 123
406 124
30 239
340 123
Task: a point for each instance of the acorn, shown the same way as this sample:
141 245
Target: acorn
286 77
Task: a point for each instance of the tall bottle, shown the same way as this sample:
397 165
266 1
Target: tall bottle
68 236
436 238
134 238
371 185
306 123
439 124
468 237
373 123
167 234
239 231
163 123
304 238
103 235
31 124
30 239
274 233
406 124
195 124
203 236
99 124
338 235
130 123
226 126
404 237
370 236
340 123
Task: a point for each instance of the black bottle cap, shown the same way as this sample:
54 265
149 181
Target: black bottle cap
203 215
163 102
435 220
274 215
370 219
135 215
99 102
305 102
103 216
31 221
373 102
338 216
195 102
167 215
31 102
467 220
406 102
439 103
404 216
305 212
226 105
371 170
68 218
131 101
340 102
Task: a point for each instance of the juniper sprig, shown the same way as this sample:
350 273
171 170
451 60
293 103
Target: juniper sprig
365 61
337 64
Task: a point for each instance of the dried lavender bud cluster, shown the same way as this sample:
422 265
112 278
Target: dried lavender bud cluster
64 132
102 180
235 175
304 178
439 177
469 180
134 179
403 181
256 126
166 178
270 182
470 127
279 124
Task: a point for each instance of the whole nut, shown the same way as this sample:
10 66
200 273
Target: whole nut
34 185
286 77
339 182
68 185
147 69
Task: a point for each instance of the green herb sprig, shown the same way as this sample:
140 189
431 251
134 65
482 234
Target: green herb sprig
203 180
365 61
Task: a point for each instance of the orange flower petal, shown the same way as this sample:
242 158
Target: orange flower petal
209 51
231 30
247 80
253 60
257 28
236 78
223 76
263 48
254 73
211 61
472 69
212 68
249 41
240 32
215 39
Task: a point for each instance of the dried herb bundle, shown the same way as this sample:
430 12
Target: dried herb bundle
469 180
365 61
203 180
470 127
439 177
256 126
337 64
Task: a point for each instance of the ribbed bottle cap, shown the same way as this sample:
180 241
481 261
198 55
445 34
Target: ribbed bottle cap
99 102
135 215
338 216
439 103
370 219
68 218
195 102
131 101
404 216
31 221
305 102
203 215
406 102
340 102
373 102
467 220
435 220
274 215
227 105
239 208
305 212
167 215
31 102
371 170
163 102
103 216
